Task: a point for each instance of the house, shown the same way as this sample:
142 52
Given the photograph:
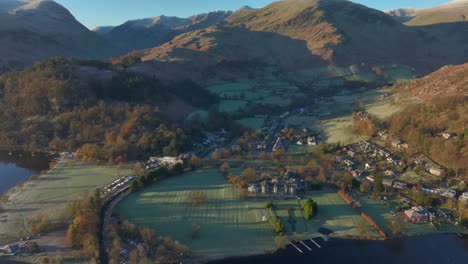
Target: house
387 182
464 197
370 178
397 143
400 144
400 185
348 162
436 171
448 193
67 155
356 174
417 214
383 134
292 190
253 188
389 173
368 166
447 135
351 153
311 141
265 188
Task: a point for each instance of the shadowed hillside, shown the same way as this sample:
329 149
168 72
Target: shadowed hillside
150 32
35 30
334 32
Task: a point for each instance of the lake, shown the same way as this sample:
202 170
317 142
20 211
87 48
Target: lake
438 249
19 166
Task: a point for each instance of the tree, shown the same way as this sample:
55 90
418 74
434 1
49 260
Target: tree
33 248
397 224
197 198
348 179
464 222
90 246
248 175
312 165
116 250
217 155
120 167
224 168
138 169
364 187
322 176
195 162
378 185
310 209
134 186
149 237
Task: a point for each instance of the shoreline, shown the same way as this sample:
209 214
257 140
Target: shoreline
284 252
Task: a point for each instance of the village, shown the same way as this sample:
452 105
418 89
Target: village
365 160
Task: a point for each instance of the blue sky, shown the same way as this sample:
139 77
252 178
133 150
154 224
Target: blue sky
94 13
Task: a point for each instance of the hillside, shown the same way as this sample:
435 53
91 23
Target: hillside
444 109
298 35
150 32
452 12
37 29
449 81
63 104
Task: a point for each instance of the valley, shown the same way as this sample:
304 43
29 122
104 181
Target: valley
284 129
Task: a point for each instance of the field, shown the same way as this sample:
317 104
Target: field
236 95
334 214
50 193
253 123
229 225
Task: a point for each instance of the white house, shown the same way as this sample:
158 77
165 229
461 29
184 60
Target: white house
436 171
464 197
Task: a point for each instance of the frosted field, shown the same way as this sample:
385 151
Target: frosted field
229 225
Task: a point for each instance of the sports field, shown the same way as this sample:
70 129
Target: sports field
50 193
229 225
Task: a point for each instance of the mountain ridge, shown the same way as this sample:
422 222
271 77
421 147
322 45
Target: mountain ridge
37 30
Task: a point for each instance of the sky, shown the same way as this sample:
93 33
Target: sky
94 13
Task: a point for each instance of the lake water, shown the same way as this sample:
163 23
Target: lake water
19 166
440 249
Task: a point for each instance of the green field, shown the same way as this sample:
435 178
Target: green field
236 95
231 105
50 193
300 121
228 224
334 214
252 123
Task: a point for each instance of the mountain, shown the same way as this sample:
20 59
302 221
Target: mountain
103 30
296 35
452 12
449 81
32 30
150 32
403 14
